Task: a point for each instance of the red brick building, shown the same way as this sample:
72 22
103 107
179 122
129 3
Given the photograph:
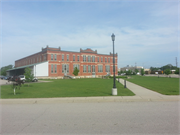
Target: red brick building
60 62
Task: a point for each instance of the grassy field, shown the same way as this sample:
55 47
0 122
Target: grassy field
66 88
163 85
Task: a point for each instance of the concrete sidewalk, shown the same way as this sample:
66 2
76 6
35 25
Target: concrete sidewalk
141 94
145 93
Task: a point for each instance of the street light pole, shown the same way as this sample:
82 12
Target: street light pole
114 89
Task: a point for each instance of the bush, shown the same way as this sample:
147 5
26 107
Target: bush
28 75
142 72
167 71
118 77
76 71
177 71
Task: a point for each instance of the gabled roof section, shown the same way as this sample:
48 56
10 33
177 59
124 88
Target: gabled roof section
88 50
50 49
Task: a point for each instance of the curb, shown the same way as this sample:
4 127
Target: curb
88 100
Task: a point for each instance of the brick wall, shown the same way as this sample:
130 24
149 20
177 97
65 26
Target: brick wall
55 58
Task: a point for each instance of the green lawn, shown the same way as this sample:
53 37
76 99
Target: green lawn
163 85
66 88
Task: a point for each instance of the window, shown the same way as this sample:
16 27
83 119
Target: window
55 56
101 59
78 58
98 59
107 68
89 68
76 65
109 60
93 58
89 58
52 68
51 56
65 68
62 57
84 58
100 68
73 57
37 59
55 68
62 68
67 57
84 68
44 57
105 59
93 68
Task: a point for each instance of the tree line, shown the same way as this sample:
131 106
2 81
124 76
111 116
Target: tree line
5 68
167 69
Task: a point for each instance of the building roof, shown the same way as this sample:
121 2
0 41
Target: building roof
26 66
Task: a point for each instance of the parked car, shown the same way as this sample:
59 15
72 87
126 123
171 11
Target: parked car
2 77
5 77
34 80
22 77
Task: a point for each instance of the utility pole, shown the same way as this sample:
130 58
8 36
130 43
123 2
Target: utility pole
176 62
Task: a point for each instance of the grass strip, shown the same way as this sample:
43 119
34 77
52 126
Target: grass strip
66 88
163 85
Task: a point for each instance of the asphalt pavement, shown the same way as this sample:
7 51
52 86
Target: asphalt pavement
105 118
146 113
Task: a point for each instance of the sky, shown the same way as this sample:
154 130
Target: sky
146 31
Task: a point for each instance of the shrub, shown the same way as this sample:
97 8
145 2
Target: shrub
167 71
177 71
75 71
118 77
142 72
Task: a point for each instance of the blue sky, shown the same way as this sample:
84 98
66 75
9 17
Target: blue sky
146 30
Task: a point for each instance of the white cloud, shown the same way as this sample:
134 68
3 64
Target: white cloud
139 35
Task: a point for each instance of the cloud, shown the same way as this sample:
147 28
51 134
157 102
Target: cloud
144 30
131 46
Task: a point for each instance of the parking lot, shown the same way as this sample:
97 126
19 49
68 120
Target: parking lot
4 82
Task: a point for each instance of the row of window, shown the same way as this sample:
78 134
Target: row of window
92 68
88 58
28 61
85 58
86 68
54 57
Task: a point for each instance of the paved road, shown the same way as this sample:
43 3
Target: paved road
112 118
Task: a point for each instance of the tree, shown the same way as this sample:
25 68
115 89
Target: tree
75 71
142 72
177 71
154 68
129 72
167 71
4 69
136 71
28 75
